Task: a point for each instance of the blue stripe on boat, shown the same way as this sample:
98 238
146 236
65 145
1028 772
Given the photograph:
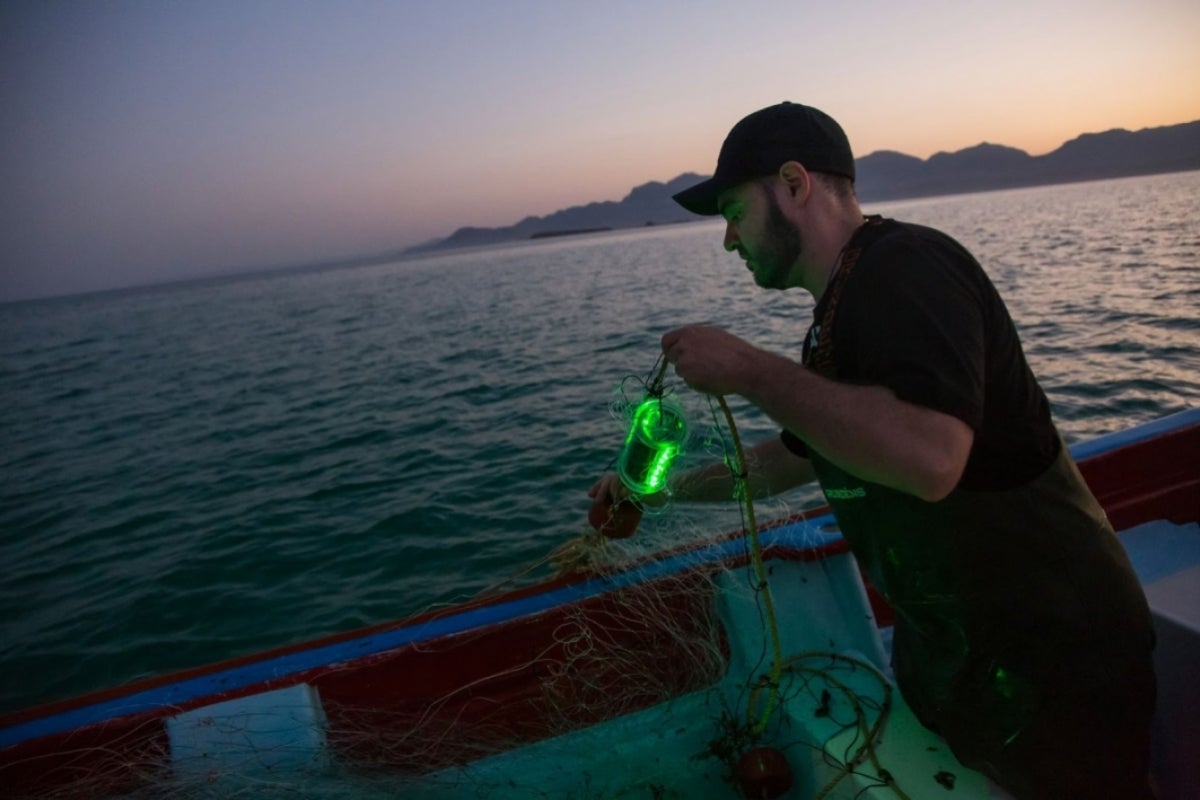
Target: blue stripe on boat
1140 433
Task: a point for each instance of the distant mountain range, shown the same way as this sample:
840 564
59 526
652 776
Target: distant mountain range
887 175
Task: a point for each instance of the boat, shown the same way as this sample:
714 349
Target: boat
665 676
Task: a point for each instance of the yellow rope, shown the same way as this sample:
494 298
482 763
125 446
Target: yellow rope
741 476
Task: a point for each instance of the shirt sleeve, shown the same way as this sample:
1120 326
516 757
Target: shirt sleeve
911 318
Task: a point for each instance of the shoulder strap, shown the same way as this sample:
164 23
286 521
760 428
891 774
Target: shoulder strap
818 347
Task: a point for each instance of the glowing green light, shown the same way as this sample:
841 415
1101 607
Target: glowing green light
655 436
1003 682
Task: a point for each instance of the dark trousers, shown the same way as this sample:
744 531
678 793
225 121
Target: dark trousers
1082 744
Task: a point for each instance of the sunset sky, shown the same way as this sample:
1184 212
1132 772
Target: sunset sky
157 140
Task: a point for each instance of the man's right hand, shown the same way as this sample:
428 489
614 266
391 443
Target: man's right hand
616 511
610 491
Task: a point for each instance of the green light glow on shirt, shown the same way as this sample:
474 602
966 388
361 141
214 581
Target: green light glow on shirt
655 437
1003 682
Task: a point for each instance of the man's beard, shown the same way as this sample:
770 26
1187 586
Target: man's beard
781 247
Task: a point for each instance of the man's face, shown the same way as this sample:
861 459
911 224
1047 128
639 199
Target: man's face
758 230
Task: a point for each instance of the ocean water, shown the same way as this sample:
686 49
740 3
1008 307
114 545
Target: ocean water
198 471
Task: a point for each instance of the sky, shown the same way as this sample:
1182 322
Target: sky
143 142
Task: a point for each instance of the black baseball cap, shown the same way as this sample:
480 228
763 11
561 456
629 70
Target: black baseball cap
761 142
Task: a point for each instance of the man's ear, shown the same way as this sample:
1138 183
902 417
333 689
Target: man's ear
797 179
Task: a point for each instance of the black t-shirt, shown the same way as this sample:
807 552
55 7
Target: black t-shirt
1012 591
918 314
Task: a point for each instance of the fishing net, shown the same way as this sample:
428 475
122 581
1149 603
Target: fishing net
660 667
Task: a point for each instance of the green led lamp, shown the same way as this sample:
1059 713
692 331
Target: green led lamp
656 435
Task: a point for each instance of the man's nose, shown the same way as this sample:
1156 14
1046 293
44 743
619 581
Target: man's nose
731 237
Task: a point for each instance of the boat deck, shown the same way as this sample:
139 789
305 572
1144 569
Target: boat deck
1166 557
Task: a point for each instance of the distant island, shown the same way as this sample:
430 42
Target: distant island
887 175
571 232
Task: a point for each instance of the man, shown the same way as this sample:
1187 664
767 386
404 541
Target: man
1022 634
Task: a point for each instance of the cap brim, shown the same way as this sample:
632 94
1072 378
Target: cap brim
701 198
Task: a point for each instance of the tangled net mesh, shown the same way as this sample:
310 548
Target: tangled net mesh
634 691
